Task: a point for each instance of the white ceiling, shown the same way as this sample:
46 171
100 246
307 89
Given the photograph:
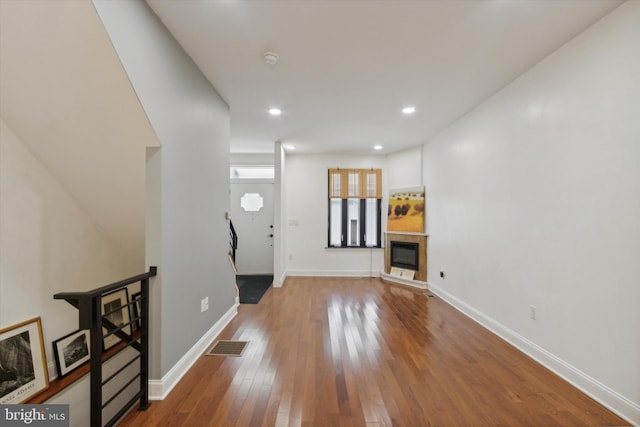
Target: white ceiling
347 67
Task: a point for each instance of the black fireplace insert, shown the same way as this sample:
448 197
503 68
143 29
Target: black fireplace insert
404 255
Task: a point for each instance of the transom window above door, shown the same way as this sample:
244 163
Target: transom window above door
252 172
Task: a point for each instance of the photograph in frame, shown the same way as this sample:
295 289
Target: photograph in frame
115 309
71 351
23 365
137 309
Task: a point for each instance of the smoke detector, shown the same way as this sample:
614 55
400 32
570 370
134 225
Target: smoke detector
271 58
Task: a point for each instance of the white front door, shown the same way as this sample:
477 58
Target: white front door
252 217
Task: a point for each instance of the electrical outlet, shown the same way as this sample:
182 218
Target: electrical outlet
204 304
532 312
442 274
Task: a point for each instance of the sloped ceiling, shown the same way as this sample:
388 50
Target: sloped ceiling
347 67
65 94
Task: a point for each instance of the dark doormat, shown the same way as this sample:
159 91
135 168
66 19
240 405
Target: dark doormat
252 287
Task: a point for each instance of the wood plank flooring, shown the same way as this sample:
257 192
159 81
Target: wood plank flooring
359 352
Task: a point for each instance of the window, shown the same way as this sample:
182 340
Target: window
252 202
251 172
355 200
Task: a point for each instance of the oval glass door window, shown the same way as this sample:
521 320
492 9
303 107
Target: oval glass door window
251 202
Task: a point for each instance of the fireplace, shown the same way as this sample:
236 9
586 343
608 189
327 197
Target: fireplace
406 251
404 255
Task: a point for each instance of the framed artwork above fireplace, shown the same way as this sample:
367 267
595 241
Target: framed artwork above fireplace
405 212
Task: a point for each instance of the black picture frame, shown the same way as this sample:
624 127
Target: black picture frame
115 308
71 351
136 298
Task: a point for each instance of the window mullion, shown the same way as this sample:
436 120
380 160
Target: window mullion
362 223
329 223
345 223
379 222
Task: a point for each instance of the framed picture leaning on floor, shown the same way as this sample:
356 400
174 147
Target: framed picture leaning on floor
23 365
71 351
115 309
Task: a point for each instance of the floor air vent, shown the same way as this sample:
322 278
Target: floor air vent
228 348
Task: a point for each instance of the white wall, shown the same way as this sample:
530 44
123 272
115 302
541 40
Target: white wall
404 168
279 216
188 188
534 199
64 93
48 244
306 219
258 159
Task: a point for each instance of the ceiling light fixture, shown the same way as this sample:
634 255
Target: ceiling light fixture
409 110
271 58
275 111
289 147
377 147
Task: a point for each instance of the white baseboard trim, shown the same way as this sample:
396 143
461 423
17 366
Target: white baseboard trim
606 396
159 389
333 273
277 283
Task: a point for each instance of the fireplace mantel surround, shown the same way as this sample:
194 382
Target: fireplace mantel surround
420 278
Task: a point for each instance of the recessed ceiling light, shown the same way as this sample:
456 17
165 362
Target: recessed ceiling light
409 110
377 147
289 147
271 58
275 111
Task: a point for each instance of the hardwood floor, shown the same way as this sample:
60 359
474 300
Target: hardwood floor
355 352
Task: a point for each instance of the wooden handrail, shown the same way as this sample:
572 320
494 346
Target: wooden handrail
80 300
108 288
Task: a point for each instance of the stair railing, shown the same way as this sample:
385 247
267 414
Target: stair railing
91 316
233 241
